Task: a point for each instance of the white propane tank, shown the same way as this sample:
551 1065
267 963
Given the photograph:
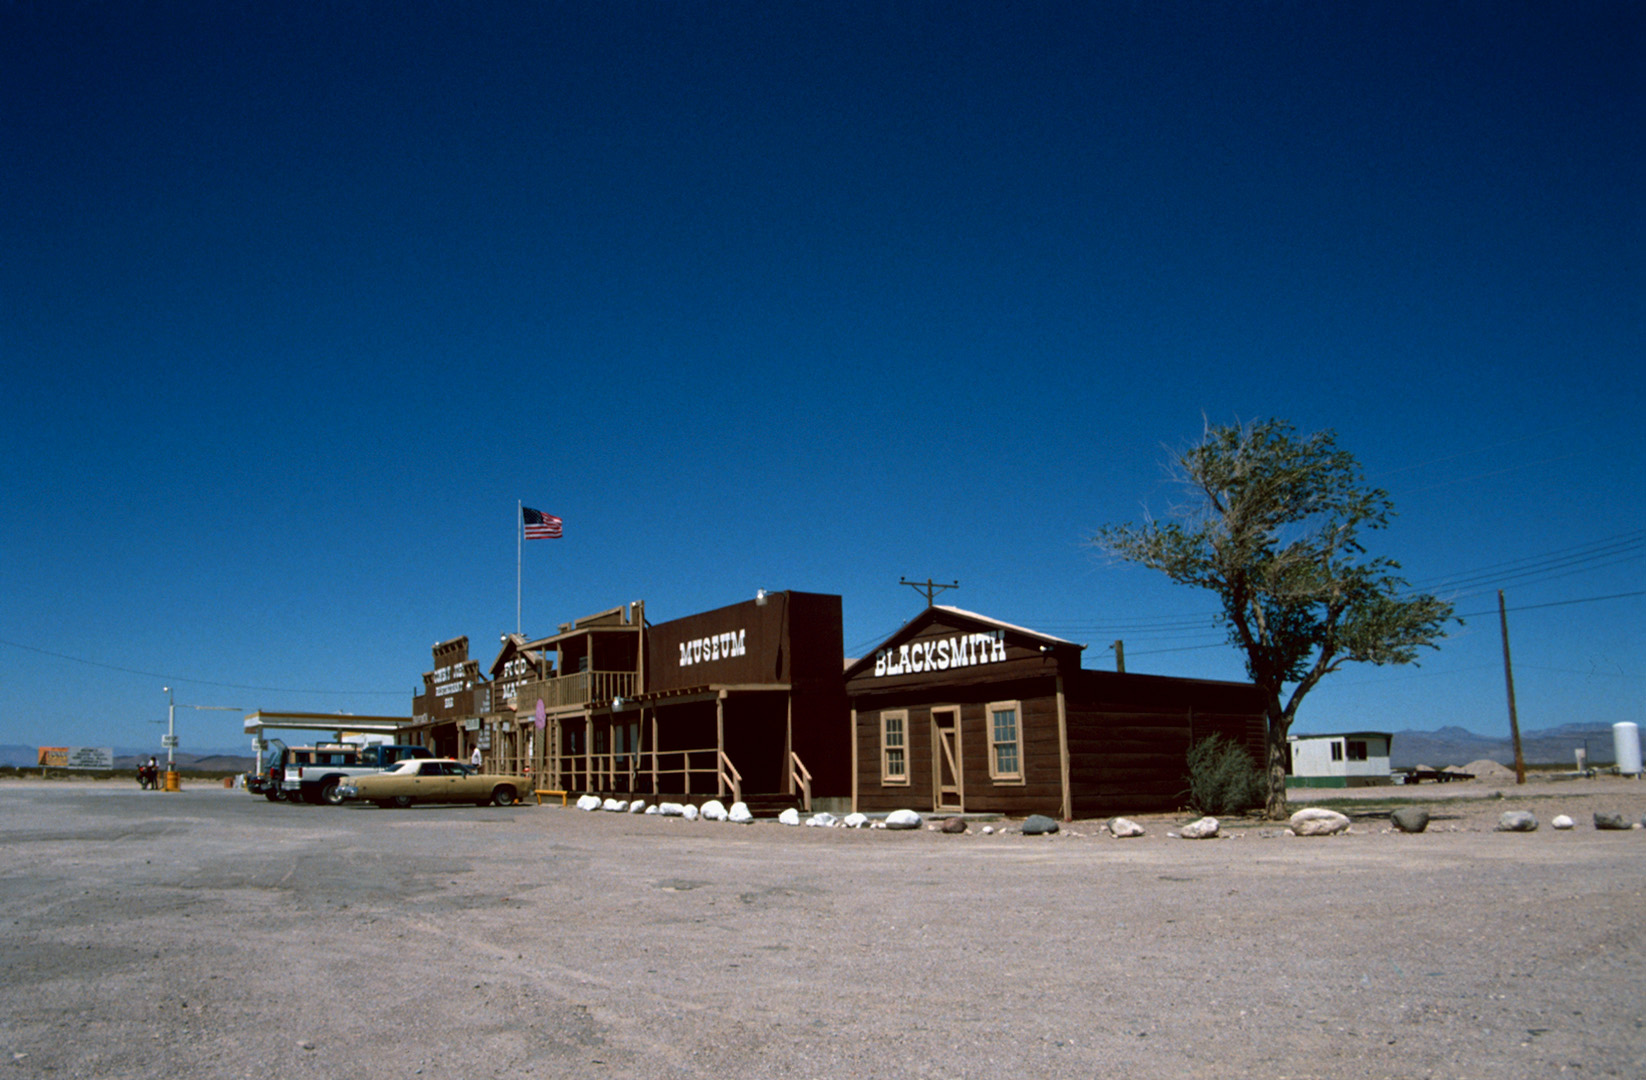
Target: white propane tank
1626 739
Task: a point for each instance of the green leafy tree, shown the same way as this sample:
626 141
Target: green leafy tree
1273 526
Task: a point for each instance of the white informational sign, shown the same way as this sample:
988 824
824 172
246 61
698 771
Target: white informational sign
91 757
169 742
77 757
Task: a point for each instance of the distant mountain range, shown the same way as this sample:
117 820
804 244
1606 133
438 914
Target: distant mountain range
126 757
1436 749
1459 746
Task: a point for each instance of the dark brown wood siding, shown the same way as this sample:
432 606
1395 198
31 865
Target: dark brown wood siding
1128 735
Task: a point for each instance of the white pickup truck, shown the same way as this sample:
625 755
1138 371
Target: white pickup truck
312 773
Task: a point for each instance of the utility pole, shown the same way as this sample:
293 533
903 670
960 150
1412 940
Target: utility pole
1509 679
928 587
1120 657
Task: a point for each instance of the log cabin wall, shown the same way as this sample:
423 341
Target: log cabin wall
1036 788
1125 737
1130 735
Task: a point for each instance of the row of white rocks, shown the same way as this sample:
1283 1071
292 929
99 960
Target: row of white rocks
738 813
1310 821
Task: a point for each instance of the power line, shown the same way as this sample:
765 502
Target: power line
197 682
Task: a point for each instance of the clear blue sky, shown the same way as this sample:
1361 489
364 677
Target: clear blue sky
297 301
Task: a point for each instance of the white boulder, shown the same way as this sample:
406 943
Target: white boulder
855 821
671 809
902 819
616 806
1561 821
652 810
588 802
1317 821
740 813
1124 827
689 812
1204 829
791 816
822 821
713 810
639 807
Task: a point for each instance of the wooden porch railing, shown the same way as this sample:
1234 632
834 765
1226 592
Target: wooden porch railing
730 777
579 688
801 777
644 773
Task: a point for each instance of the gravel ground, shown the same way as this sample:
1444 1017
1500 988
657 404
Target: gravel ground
211 933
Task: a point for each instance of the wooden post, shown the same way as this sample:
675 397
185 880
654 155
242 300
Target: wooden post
719 743
854 759
788 742
1062 750
1509 679
1120 656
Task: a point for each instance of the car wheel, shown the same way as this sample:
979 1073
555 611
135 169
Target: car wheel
402 801
330 795
272 796
503 795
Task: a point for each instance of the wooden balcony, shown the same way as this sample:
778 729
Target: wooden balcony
577 690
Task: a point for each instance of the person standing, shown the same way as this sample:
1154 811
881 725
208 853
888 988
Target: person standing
474 758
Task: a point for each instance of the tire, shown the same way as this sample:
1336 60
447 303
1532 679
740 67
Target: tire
272 796
503 795
330 795
402 801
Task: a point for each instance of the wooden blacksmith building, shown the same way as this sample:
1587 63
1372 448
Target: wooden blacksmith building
959 712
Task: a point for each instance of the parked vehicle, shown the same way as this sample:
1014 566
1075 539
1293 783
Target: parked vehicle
432 780
310 774
265 780
148 776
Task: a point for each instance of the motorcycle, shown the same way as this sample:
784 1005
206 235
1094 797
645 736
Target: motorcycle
148 777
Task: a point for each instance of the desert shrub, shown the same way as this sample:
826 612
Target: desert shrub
1222 778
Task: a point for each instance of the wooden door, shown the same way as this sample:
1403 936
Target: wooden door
950 793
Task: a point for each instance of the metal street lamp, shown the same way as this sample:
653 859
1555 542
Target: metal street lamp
173 781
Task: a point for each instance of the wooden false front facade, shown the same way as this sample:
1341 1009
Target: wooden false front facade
753 691
958 712
444 715
745 702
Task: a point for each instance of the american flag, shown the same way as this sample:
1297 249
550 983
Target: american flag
539 526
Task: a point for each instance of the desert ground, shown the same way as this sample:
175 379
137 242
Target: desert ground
209 933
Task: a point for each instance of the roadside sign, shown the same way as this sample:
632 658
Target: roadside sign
168 742
77 757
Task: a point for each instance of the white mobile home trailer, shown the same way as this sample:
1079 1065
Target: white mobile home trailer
1346 759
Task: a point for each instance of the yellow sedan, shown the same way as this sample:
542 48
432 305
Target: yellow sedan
442 780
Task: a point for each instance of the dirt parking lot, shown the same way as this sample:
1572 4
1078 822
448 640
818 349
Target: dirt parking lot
211 933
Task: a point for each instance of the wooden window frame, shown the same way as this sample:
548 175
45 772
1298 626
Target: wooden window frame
1015 777
887 778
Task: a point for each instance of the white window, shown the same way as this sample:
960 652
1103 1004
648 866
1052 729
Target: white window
894 747
1005 742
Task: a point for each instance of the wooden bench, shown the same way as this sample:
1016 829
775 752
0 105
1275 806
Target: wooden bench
540 792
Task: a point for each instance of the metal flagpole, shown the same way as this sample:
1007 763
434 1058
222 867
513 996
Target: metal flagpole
519 529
